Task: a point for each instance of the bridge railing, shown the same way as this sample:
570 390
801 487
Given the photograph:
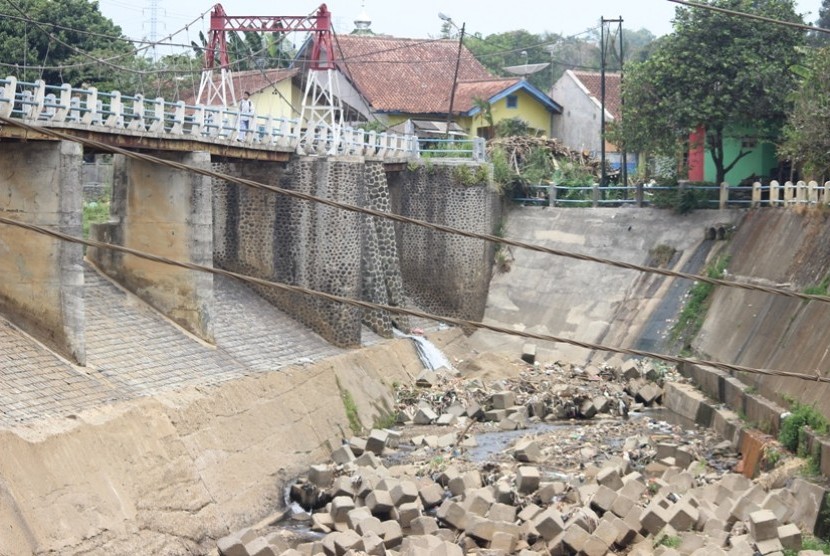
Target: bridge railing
70 106
723 196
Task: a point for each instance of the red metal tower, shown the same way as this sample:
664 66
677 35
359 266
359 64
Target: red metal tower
323 105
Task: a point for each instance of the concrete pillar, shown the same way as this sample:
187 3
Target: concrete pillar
41 278
166 212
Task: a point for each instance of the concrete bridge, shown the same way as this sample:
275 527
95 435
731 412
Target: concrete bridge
193 217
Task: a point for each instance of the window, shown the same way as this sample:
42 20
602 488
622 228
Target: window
749 142
512 101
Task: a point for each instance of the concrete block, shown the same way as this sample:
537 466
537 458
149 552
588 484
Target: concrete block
322 522
379 502
480 528
408 512
342 455
502 512
260 547
586 518
446 419
356 516
368 459
790 536
503 400
575 538
810 497
424 416
423 525
478 501
321 475
622 505
367 525
529 512
548 523
340 507
462 483
357 445
587 409
373 544
453 514
683 515
528 451
606 532
603 499
649 394
504 542
232 545
431 495
376 442
392 534
630 370
342 486
426 379
610 477
495 415
529 353
763 525
345 541
769 546
404 492
527 479
655 516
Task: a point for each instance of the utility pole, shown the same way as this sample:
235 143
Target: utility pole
603 62
455 76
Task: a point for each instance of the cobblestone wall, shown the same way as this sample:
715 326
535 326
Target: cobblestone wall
382 281
445 274
297 242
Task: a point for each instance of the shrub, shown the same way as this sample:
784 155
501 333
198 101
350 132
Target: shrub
791 427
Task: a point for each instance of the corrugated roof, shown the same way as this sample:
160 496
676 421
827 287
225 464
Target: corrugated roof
252 81
593 82
408 75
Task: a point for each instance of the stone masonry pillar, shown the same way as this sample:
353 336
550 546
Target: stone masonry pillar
166 212
41 278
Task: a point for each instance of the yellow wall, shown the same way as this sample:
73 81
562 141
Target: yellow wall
529 109
266 102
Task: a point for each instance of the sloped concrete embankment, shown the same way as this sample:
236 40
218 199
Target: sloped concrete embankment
584 300
787 248
169 475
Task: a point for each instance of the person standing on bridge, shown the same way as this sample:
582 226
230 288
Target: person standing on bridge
246 114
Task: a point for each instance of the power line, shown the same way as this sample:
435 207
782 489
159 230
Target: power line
793 24
408 220
814 377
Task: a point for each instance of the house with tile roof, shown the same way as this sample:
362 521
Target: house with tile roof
579 127
274 92
408 83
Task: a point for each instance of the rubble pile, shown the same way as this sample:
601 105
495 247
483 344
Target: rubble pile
604 484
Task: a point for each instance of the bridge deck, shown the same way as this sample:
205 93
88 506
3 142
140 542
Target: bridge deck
132 351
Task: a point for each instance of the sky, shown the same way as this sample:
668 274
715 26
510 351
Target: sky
413 19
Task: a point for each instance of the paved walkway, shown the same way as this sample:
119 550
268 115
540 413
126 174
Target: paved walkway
133 351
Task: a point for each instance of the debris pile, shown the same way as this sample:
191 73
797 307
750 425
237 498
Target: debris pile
518 149
602 484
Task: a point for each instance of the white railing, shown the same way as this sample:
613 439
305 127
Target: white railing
67 106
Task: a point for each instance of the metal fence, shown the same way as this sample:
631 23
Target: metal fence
67 106
696 196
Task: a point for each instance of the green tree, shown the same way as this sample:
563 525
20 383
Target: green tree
68 33
807 132
722 72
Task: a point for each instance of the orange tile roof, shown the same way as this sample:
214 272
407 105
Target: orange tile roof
468 91
252 81
593 82
407 75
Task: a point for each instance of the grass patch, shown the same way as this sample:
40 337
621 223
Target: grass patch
694 311
809 542
669 541
95 212
351 409
661 255
385 421
820 288
791 435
